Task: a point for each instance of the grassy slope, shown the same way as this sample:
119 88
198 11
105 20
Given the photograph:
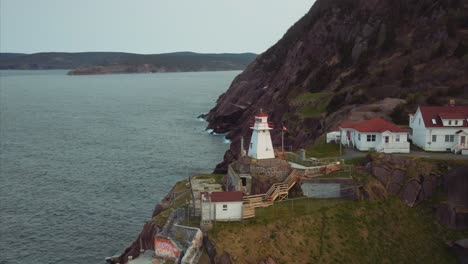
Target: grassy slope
311 104
337 231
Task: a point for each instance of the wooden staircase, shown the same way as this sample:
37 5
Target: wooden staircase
276 191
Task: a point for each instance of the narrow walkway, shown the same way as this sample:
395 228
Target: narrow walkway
276 191
352 153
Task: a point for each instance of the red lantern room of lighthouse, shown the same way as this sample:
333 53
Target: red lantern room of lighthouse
261 146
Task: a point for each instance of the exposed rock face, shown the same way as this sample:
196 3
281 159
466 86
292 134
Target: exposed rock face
349 53
412 181
460 248
224 258
268 260
454 212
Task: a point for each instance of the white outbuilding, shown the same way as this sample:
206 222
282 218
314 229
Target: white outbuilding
221 206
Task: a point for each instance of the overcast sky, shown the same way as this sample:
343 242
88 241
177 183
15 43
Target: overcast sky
146 26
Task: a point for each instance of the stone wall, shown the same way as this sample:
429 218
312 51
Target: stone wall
232 181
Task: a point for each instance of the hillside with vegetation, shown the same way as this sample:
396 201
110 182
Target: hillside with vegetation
118 62
386 220
347 60
336 231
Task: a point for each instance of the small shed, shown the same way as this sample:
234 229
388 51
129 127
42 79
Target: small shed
333 137
221 206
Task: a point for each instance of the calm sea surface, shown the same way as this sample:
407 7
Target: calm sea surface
84 159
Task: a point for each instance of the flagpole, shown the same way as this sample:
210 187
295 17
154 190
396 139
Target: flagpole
282 140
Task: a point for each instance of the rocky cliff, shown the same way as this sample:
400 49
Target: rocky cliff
344 57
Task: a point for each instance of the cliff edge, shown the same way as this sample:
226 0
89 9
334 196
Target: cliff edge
348 55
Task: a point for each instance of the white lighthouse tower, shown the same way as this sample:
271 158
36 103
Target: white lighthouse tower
260 143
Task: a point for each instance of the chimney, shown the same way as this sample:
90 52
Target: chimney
452 102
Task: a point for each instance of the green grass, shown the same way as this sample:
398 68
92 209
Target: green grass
335 175
323 150
357 161
161 218
311 104
218 178
338 231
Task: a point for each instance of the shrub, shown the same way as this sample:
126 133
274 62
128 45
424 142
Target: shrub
408 75
321 79
440 51
461 50
336 102
399 115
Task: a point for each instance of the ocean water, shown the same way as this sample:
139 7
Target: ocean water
84 159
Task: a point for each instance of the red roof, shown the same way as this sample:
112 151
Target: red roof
456 115
446 112
226 196
261 115
375 124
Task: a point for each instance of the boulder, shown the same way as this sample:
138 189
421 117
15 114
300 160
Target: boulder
460 247
268 260
410 193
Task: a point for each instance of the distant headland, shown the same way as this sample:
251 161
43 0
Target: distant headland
84 63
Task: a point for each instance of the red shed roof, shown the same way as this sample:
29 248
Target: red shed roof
446 112
226 196
375 124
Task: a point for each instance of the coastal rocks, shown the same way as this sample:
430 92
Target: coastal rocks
143 242
210 249
224 258
145 239
460 247
412 181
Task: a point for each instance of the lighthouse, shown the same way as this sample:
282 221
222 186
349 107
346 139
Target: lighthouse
260 143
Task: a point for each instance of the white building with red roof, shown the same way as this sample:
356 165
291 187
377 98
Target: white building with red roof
221 206
440 128
375 134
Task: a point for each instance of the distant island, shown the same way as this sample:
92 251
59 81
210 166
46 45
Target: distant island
84 63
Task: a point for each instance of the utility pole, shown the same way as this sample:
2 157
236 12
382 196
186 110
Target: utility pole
340 143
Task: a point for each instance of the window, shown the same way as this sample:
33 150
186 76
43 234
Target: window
434 138
450 122
434 121
456 122
397 138
370 138
419 120
251 145
449 138
224 207
359 137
